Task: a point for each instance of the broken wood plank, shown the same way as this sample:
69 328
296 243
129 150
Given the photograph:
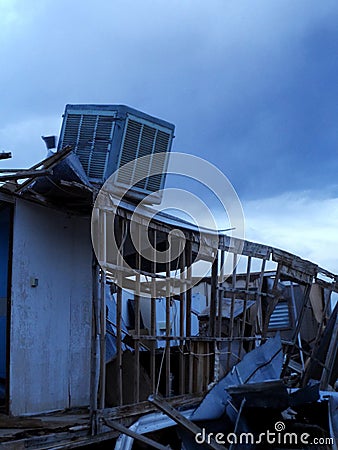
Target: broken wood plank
182 421
134 410
139 437
294 262
47 163
24 174
59 441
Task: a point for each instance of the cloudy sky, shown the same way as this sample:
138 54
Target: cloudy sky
252 86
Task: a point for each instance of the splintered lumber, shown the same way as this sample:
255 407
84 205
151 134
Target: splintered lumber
139 437
46 164
24 174
181 421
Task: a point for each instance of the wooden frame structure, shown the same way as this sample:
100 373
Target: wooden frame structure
186 364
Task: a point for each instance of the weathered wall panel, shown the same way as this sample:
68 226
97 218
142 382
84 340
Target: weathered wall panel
50 323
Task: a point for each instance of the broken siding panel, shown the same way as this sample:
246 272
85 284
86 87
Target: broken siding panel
50 323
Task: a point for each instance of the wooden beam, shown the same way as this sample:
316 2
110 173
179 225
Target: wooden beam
139 437
168 326
119 344
24 174
153 330
273 302
247 284
47 163
188 260
181 421
188 401
94 380
102 312
232 309
213 296
259 320
182 313
220 293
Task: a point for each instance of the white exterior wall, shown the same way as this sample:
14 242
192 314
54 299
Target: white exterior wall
50 324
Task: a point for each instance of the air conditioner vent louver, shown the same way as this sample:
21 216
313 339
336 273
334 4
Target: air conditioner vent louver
141 139
90 137
72 130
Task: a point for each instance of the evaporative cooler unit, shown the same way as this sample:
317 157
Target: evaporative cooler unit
106 137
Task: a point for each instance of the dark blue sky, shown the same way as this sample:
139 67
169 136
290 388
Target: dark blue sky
251 86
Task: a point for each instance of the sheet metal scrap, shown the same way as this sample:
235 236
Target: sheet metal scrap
261 364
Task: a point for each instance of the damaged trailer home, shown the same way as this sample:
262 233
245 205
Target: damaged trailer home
114 345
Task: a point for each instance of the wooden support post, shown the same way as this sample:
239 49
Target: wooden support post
137 320
259 321
273 302
294 310
188 258
137 347
208 362
233 297
102 311
302 312
119 344
213 297
153 316
182 421
95 348
123 229
247 284
220 293
182 316
168 327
